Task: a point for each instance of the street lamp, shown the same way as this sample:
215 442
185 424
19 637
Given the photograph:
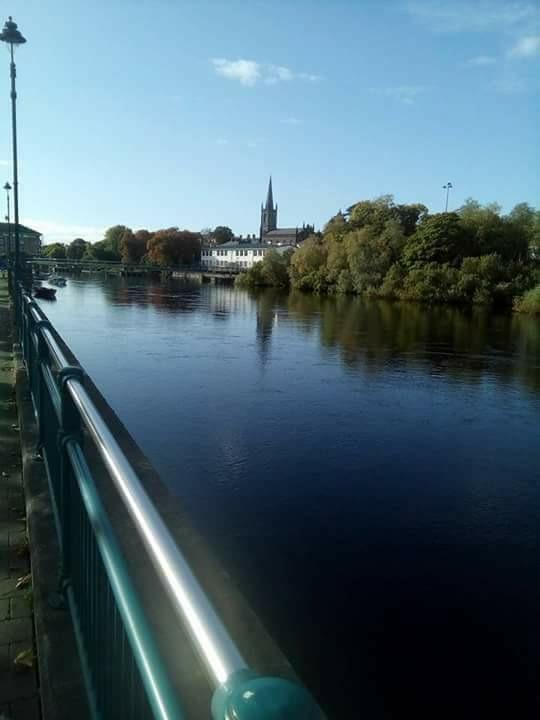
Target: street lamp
447 187
12 36
7 188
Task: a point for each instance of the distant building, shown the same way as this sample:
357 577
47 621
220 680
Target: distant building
237 256
29 240
270 233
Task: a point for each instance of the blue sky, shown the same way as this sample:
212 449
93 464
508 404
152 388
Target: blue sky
155 113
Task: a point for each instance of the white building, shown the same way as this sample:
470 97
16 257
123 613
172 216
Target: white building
237 256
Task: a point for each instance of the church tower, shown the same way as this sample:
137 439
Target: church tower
268 213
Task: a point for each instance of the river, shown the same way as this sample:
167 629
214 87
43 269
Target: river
368 472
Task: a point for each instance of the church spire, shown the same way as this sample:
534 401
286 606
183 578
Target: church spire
269 196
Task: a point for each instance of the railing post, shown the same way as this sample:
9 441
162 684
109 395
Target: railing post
247 696
70 429
39 391
27 335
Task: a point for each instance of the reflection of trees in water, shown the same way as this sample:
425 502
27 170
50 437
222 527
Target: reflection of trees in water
164 296
375 334
222 300
266 317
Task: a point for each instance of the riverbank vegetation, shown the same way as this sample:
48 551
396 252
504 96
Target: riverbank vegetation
169 247
529 302
272 271
475 255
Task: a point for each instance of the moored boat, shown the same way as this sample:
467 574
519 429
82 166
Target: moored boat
45 293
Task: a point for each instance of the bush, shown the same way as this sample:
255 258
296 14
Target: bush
529 302
271 271
433 283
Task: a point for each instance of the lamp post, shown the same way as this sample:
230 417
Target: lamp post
447 187
12 36
7 188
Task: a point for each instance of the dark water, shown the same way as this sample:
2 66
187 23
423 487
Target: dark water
369 472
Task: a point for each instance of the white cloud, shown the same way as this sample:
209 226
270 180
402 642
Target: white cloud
60 232
278 73
482 60
526 47
250 72
247 72
406 94
474 16
4 163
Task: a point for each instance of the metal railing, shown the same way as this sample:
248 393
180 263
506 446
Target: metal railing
124 672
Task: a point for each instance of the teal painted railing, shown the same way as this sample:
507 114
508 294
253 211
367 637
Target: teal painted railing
124 672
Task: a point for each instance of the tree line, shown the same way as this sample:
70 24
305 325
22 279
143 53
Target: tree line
166 247
475 255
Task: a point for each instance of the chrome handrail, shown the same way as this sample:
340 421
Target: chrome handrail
216 647
238 690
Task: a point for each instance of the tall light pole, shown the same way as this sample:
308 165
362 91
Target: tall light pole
12 36
447 187
7 188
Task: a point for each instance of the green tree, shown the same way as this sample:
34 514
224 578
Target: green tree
113 240
275 268
101 251
337 227
54 250
76 249
490 233
441 238
528 220
377 213
308 266
271 271
222 234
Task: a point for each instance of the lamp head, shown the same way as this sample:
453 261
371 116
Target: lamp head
11 34
7 186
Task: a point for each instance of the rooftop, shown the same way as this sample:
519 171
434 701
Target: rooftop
232 245
5 227
281 231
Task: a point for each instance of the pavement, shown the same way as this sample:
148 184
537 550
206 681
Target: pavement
19 684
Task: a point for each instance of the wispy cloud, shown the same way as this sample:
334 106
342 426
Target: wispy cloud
482 60
61 232
526 47
469 16
290 120
250 72
405 94
4 163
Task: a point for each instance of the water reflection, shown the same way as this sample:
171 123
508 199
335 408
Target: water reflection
374 334
367 472
370 335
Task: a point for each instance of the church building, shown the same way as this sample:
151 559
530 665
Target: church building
269 231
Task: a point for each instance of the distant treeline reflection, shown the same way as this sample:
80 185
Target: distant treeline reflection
370 334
